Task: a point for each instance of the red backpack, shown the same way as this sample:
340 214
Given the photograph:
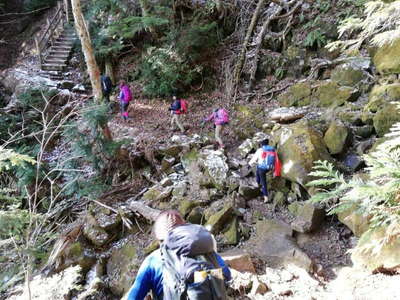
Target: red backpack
184 106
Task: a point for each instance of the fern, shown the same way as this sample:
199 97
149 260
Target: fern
380 25
378 196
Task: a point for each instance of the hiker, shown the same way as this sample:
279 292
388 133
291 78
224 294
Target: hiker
180 242
220 116
106 87
177 108
125 96
267 159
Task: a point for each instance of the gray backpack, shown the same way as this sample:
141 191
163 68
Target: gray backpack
187 249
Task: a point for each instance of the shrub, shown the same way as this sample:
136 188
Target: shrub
378 196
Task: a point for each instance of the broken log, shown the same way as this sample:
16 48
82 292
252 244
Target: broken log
142 209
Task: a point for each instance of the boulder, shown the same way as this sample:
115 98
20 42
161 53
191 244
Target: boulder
107 219
330 94
279 199
258 287
386 58
219 220
308 216
299 146
349 74
122 267
215 167
239 260
246 147
231 235
75 254
336 137
371 255
94 233
252 144
171 150
297 95
364 131
354 220
385 118
196 215
186 206
353 162
248 189
167 163
157 193
166 182
381 95
273 243
180 189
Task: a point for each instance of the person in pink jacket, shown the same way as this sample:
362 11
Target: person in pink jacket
220 117
125 96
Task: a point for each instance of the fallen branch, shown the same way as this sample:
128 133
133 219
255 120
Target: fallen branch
142 209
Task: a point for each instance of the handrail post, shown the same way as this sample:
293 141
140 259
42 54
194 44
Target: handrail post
38 51
66 9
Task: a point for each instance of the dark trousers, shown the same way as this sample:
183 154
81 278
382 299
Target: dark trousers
106 96
124 109
261 176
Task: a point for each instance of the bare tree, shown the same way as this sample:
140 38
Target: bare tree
93 69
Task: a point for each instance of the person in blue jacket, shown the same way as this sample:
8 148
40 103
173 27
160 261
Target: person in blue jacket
150 274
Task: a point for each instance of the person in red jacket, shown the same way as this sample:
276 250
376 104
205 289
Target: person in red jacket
176 111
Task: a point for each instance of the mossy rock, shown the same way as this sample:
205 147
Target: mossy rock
196 216
94 233
231 235
218 221
299 146
350 117
381 95
330 94
279 199
387 256
336 137
354 220
74 254
186 206
385 118
297 95
364 131
347 75
387 58
122 267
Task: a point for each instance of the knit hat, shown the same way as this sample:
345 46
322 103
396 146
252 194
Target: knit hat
165 222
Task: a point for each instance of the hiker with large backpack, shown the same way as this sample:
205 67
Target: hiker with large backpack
185 267
106 87
177 108
267 160
220 116
125 96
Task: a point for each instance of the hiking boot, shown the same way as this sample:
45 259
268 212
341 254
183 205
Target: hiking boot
266 199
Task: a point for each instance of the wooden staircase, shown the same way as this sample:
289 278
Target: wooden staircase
55 46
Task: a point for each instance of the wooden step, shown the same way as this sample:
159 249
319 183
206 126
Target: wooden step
55 67
62 45
55 60
60 48
71 40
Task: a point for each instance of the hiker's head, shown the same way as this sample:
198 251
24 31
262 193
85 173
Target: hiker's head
216 109
165 222
174 97
122 82
265 142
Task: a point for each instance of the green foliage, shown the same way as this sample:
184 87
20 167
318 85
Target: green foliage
9 158
13 223
380 25
37 4
91 152
323 5
377 196
315 38
167 69
279 73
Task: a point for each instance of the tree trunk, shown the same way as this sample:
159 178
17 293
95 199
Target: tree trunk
93 69
242 55
110 70
259 41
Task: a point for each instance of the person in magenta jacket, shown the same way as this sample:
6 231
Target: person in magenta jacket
125 96
220 117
